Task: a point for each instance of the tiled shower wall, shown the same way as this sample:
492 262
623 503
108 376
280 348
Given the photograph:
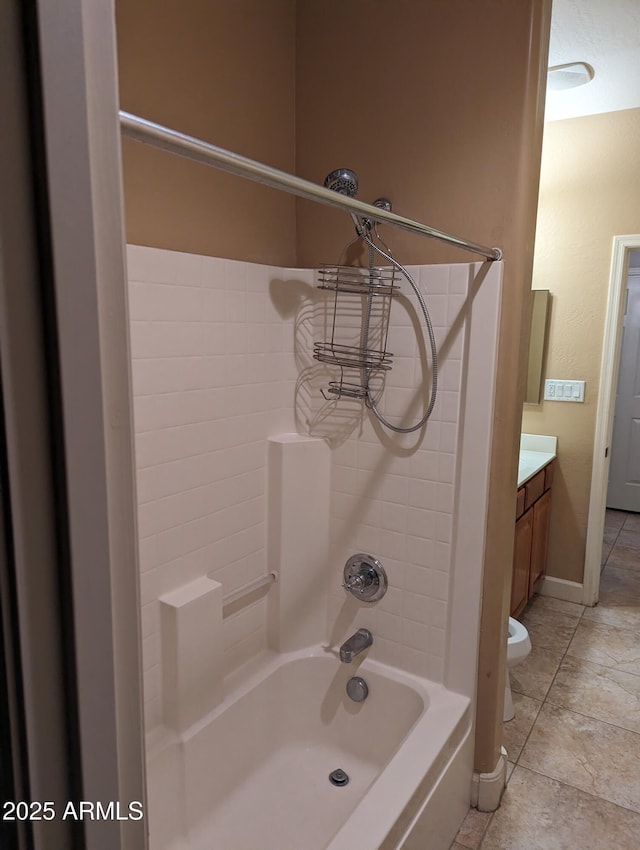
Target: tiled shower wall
222 360
393 494
213 376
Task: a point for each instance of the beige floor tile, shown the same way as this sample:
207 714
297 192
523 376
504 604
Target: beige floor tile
619 603
539 602
614 519
630 537
622 581
598 692
610 536
625 552
590 797
597 757
632 522
456 846
534 676
549 629
607 645
473 828
538 813
510 769
606 551
515 732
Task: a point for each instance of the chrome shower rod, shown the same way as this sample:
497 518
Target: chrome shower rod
141 130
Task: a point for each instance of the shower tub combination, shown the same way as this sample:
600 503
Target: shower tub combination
255 774
247 758
244 756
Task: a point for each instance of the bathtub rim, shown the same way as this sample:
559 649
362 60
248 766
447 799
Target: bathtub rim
392 791
240 682
404 777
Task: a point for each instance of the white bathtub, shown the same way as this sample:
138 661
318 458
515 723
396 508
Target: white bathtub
254 775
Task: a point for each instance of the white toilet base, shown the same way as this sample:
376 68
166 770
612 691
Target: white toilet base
518 647
509 711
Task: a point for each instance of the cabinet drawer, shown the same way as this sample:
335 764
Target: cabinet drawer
520 502
534 488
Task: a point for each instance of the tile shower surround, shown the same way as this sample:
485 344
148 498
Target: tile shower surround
218 347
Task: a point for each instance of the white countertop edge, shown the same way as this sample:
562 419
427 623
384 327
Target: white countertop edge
531 462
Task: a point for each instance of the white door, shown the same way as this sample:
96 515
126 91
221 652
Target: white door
624 471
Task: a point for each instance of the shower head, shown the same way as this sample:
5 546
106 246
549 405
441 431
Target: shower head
344 181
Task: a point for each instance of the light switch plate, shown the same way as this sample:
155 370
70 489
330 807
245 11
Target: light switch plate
558 390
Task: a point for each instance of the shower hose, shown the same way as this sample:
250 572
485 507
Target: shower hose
362 229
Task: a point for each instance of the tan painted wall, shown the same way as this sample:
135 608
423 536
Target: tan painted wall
223 71
419 104
589 190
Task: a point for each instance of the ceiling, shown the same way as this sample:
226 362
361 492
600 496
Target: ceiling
606 35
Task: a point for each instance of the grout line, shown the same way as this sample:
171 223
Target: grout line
517 761
484 831
591 717
582 790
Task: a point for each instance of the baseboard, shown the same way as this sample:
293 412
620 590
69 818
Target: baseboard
487 788
560 588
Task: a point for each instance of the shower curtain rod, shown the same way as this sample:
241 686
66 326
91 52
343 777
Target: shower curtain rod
141 130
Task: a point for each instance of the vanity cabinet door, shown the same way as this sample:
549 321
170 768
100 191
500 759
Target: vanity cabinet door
521 563
540 540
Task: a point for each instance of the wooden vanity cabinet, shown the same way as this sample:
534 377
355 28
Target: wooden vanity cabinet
531 543
521 563
539 539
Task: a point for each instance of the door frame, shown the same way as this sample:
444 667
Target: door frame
79 307
81 134
609 368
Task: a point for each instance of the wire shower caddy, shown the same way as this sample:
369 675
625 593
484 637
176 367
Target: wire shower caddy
359 327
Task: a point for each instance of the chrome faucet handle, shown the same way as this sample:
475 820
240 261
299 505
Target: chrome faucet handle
365 578
356 583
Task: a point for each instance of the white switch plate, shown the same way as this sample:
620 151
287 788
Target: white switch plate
557 390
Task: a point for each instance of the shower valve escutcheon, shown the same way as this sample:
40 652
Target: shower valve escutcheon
365 578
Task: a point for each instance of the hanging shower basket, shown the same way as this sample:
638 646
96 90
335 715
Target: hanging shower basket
359 327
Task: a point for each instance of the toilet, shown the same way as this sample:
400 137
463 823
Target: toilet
518 647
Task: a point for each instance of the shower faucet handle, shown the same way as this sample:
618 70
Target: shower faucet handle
358 583
365 578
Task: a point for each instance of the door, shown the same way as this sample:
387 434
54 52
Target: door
624 471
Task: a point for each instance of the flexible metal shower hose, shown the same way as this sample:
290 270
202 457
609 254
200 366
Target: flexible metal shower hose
370 401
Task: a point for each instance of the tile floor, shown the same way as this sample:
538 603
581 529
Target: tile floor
574 744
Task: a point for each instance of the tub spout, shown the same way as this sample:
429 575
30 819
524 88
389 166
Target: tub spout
354 645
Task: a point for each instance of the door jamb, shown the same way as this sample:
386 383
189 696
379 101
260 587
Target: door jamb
609 366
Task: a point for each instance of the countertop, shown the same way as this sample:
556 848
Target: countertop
536 451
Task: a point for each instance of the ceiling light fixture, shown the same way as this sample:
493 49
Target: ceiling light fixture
569 76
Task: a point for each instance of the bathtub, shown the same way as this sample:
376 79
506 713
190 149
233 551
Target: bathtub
254 774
